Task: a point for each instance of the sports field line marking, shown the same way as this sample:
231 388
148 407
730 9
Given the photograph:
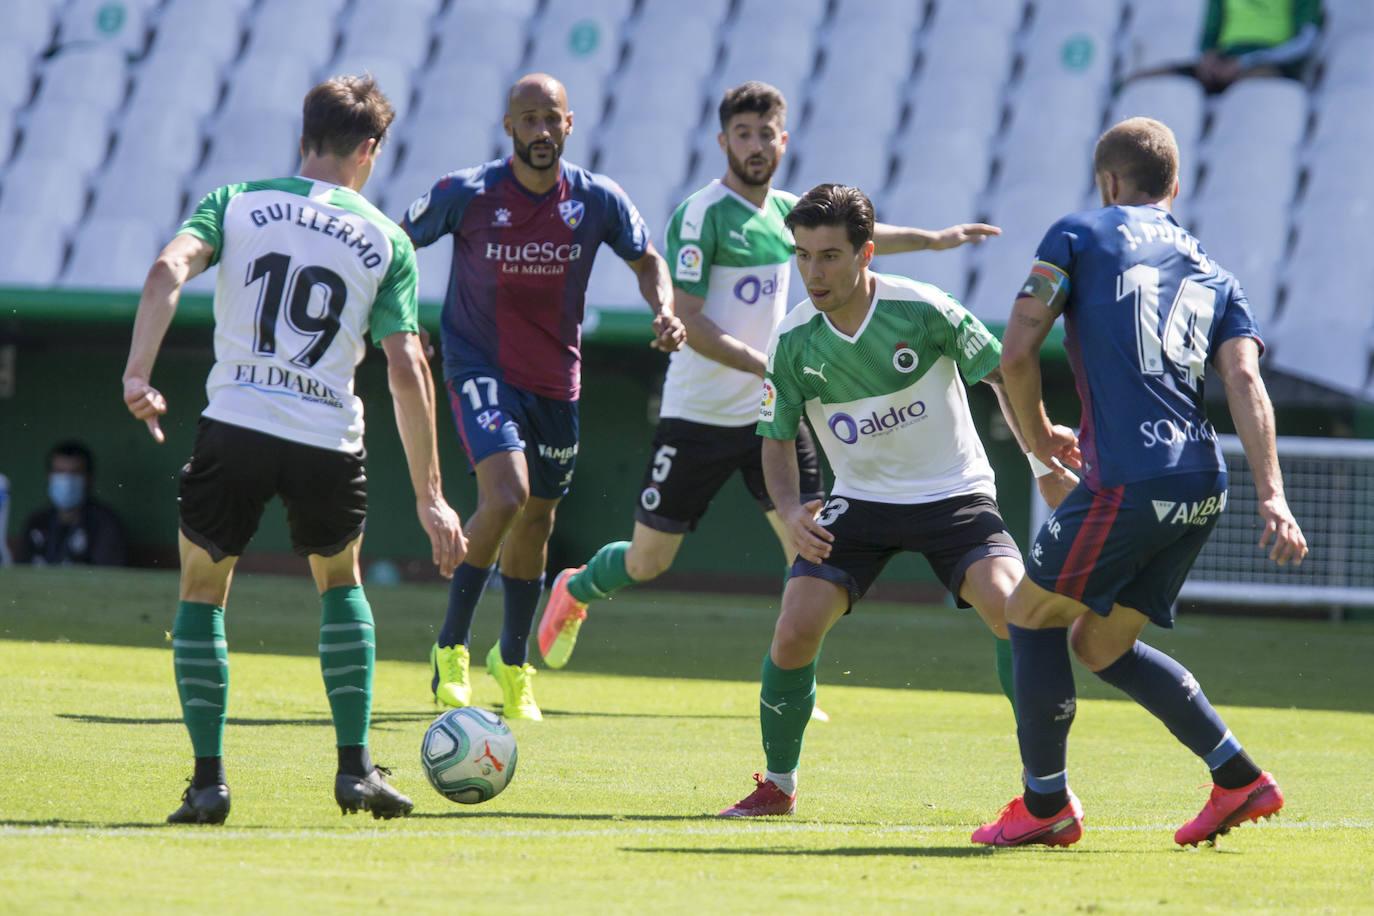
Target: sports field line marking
725 828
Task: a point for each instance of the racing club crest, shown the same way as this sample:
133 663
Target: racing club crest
571 211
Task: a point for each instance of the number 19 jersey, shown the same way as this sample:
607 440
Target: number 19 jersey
307 271
1144 310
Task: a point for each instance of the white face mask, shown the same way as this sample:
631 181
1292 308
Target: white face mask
66 490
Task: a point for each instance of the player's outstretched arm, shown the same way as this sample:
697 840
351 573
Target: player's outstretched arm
809 539
1026 332
888 239
657 289
710 340
1054 481
1237 362
412 393
184 257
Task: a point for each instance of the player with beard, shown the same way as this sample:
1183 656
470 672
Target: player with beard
729 252
525 231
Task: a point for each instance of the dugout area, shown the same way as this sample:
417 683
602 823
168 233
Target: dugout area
62 354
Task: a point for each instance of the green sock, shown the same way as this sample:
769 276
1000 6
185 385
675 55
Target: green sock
200 658
347 654
605 574
1004 671
785 703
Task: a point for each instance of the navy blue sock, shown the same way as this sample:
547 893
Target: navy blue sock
522 600
1171 693
1045 707
464 591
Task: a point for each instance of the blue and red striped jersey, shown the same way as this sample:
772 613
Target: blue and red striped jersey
518 284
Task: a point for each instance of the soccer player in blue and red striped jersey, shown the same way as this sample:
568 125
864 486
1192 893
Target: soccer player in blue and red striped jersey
1145 311
525 231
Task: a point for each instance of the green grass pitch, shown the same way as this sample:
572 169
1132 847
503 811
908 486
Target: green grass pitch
650 731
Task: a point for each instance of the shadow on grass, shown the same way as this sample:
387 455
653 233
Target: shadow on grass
381 719
930 852
460 812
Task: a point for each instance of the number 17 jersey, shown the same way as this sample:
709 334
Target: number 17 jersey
307 272
1144 310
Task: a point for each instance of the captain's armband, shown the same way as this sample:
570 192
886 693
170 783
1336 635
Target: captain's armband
1048 284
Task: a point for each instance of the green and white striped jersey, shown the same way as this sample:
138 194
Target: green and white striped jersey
887 404
736 257
307 271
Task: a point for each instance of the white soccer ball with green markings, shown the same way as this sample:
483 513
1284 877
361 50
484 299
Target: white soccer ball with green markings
469 755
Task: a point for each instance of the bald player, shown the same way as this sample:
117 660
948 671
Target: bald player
525 231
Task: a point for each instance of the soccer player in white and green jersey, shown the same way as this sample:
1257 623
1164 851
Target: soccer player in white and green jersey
728 250
308 271
875 362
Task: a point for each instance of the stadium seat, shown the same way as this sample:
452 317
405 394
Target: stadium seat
374 26
112 253
16 75
1037 147
7 134
501 38
269 139
1060 48
1349 62
220 172
866 166
879 20
569 40
778 13
1335 125
949 270
1334 353
1161 33
75 132
626 139
132 186
168 139
120 25
997 18
860 56
268 82
841 108
652 192
459 88
960 85
44 188
662 16
213 30
442 146
1259 112
1248 236
683 43
929 200
29 24
614 285
34 249
1026 211
97 76
676 84
1343 17
276 29
177 79
1178 101
958 159
1001 267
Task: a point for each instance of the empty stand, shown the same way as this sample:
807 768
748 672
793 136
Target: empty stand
112 252
33 252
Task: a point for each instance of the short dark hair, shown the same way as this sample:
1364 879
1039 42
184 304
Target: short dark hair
1143 151
753 96
835 205
71 448
342 112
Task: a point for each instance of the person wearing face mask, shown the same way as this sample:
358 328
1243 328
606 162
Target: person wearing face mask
73 527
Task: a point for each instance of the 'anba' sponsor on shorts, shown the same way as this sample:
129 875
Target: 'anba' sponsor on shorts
848 429
561 455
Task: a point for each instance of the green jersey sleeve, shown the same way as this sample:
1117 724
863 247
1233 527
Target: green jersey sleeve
783 397
207 222
966 340
691 243
397 307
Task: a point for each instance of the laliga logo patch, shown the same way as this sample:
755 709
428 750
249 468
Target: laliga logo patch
490 420
650 498
770 397
418 208
571 211
904 358
689 263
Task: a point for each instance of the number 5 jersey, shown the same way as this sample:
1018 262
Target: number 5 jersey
307 272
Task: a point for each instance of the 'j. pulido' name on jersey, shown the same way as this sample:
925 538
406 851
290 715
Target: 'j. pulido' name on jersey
275 379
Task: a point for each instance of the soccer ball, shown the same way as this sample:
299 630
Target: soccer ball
469 755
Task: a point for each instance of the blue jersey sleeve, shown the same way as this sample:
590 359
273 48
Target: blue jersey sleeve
1061 244
438 211
626 231
1236 319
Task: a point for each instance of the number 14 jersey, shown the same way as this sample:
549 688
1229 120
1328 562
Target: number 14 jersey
1144 310
307 272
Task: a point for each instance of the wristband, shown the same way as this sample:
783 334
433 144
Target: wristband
1038 467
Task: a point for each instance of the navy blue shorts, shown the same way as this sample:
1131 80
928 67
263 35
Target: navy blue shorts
952 534
692 461
1130 545
492 417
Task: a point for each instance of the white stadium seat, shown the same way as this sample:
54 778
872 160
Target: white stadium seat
28 23
34 250
1161 33
442 146
16 79
651 191
1349 61
112 253
92 75
930 201
129 187
48 187
501 37
435 263
377 26
177 78
1178 101
169 139
276 28
664 15
957 157
866 166
459 88
271 139
76 132
1258 112
626 139
117 24
999 18
613 284
949 270
213 30
268 82
569 39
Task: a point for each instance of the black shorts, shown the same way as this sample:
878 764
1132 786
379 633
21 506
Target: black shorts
952 534
233 473
692 461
